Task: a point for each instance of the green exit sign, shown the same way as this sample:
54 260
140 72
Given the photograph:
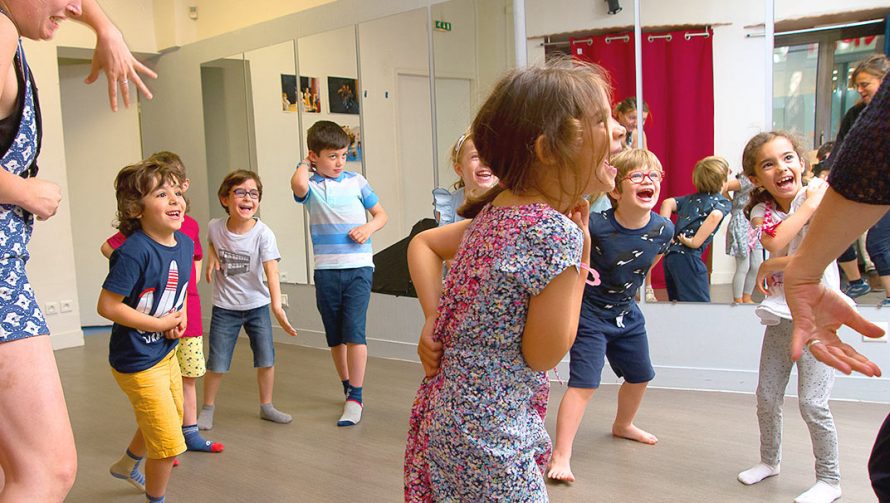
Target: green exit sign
443 26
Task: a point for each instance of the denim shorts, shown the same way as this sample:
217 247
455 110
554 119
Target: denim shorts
623 342
342 296
225 325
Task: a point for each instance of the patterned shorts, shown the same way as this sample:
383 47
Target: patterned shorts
20 315
190 353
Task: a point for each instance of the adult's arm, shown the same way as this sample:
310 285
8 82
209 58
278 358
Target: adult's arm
113 57
817 311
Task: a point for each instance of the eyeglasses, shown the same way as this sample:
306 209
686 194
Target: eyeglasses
637 178
243 194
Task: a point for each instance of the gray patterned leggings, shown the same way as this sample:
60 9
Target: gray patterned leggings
814 382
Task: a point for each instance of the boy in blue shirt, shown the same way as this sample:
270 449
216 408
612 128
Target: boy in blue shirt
698 218
341 241
625 243
144 295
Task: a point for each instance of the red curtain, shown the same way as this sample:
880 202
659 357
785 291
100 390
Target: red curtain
678 86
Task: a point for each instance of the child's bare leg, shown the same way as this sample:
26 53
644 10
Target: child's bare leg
265 377
357 360
189 400
571 411
212 381
338 354
630 396
157 475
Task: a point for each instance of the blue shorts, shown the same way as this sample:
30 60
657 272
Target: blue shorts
342 296
20 315
686 278
225 325
626 347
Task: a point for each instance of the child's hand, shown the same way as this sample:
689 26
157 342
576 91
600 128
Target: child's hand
212 261
580 214
170 321
281 316
360 234
429 351
815 193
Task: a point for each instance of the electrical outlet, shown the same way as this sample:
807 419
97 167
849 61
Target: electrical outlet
282 276
883 325
284 300
52 308
66 306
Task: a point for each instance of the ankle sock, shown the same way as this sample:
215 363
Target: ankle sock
345 387
195 442
821 492
205 418
270 413
859 281
355 394
757 473
159 499
352 413
127 468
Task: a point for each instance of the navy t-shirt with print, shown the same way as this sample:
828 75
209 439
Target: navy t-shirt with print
153 280
622 258
692 210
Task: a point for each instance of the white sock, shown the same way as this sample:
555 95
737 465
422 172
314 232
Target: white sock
757 473
821 492
352 413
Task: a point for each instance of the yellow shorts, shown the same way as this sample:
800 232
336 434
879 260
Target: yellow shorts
156 397
190 353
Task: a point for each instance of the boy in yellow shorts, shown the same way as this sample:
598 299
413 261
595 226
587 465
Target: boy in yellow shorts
144 295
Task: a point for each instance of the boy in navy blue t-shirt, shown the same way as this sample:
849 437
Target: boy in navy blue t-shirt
625 243
698 218
144 295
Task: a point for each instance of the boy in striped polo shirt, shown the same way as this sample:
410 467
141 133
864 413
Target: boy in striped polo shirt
341 240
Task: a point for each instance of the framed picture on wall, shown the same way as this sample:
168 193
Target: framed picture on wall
342 95
354 152
309 95
288 93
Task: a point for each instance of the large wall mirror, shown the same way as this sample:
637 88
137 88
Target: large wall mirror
815 92
328 88
395 79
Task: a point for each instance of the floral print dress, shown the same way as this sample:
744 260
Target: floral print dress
476 428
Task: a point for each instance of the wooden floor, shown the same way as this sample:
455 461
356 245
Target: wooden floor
705 439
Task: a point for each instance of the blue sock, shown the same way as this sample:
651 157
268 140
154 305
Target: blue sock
159 499
195 442
355 393
345 386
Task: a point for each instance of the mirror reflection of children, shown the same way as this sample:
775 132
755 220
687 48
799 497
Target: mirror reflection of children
475 177
242 249
748 255
508 309
628 116
782 207
190 351
698 217
625 243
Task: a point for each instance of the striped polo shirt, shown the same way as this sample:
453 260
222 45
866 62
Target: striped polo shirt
336 206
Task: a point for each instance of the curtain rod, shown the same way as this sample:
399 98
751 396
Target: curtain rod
626 38
820 28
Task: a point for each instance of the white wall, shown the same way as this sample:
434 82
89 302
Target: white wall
97 145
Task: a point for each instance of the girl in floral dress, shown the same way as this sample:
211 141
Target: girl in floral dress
509 307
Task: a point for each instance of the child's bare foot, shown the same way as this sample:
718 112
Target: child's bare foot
560 469
631 432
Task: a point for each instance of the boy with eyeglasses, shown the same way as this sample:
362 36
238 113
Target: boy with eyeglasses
337 201
241 249
625 243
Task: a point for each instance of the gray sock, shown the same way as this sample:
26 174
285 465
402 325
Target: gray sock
205 418
270 413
